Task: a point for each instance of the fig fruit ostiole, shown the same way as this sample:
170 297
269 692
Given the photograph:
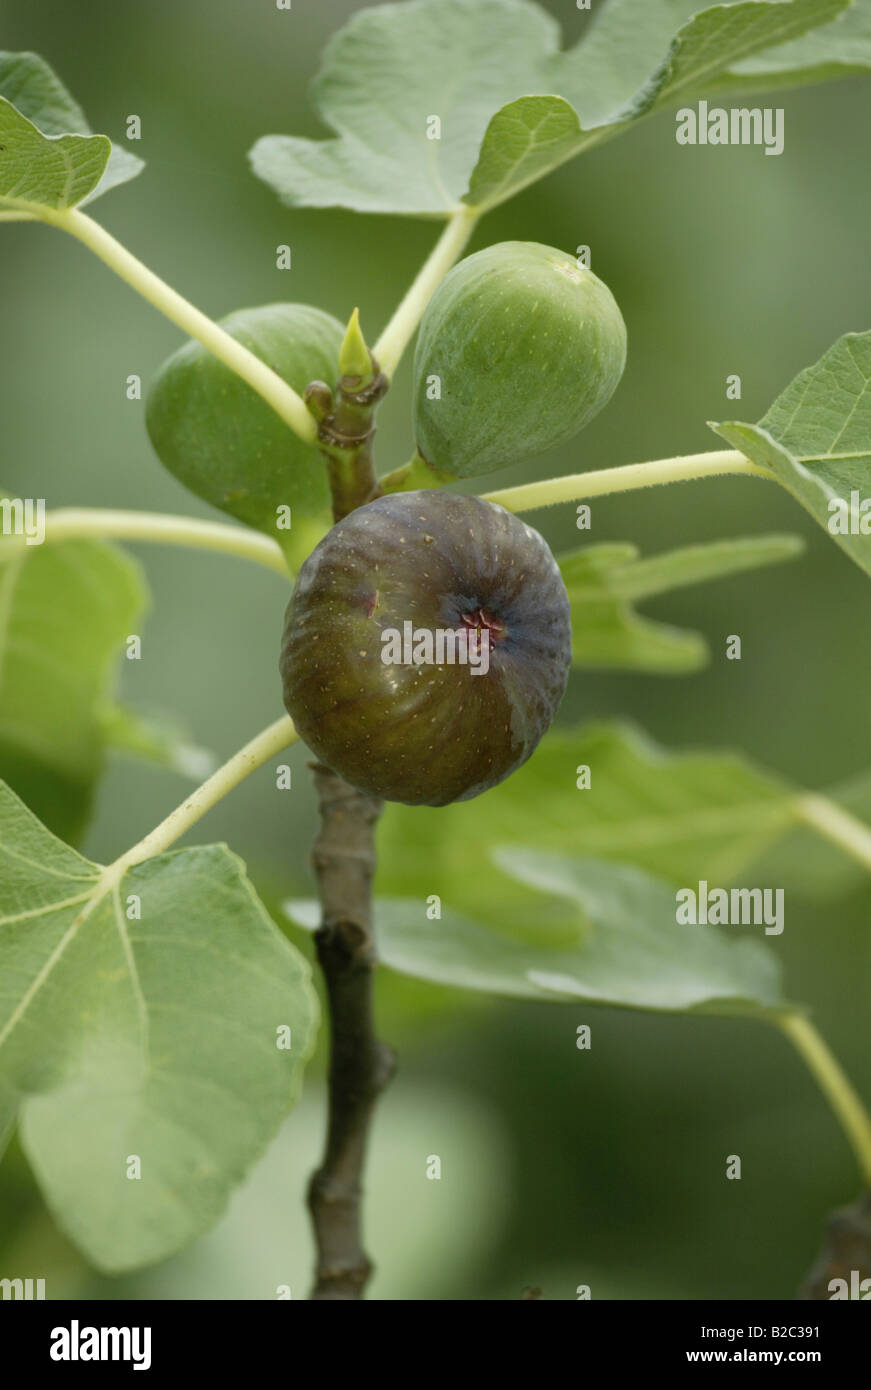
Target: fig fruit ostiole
427 733
519 347
219 438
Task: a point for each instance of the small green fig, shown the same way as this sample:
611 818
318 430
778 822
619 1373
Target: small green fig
217 436
383 613
518 349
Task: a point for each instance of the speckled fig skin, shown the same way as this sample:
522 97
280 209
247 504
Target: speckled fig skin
217 437
425 735
527 346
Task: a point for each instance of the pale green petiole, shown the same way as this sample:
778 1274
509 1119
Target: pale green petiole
844 1100
254 754
267 383
831 821
393 341
73 523
415 475
627 478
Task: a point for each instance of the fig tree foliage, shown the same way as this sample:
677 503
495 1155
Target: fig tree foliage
150 1004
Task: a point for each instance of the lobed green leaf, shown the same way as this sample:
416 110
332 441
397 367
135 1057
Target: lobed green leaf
718 37
680 817
841 48
511 105
523 141
605 581
145 1033
383 76
816 440
67 611
623 946
49 159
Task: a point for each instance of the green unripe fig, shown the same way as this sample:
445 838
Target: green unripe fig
214 433
518 349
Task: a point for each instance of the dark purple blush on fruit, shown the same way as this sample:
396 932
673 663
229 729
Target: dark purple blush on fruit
389 583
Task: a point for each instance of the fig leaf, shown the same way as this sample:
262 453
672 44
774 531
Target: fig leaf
679 816
622 947
604 582
139 1017
68 608
816 440
492 71
48 156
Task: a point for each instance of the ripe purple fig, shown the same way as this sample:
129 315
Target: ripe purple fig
426 647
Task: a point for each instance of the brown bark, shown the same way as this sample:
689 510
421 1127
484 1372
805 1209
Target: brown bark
360 1065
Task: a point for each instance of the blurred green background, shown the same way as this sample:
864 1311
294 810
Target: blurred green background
561 1167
